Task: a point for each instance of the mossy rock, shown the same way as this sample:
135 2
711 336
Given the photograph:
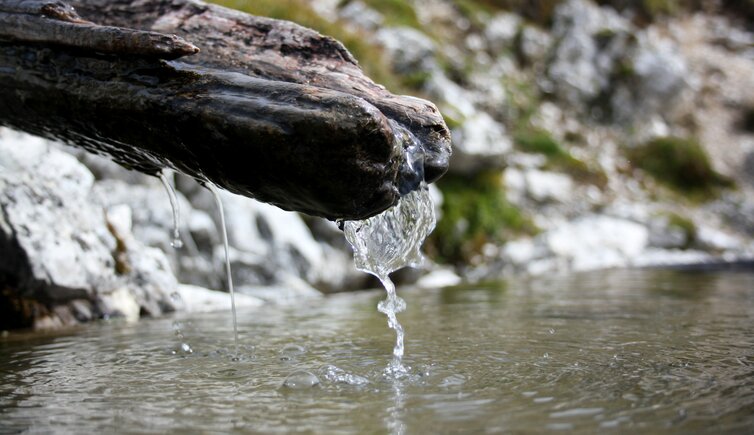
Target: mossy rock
475 212
534 140
684 224
681 164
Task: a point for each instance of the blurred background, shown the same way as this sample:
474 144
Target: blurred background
587 135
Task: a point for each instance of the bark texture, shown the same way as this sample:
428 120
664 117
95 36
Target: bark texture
261 107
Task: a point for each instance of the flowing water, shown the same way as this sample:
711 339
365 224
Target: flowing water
228 275
176 243
390 241
623 351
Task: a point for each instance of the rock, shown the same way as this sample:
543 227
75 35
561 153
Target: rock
480 143
438 279
654 257
151 211
540 186
146 271
664 235
604 65
59 249
597 242
590 40
455 101
715 240
361 16
659 74
54 244
543 186
524 251
534 44
501 31
410 50
195 299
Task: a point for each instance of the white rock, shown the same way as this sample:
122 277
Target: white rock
58 244
454 100
121 303
480 142
194 299
501 31
522 252
358 14
670 257
594 242
546 186
535 43
438 279
716 240
410 50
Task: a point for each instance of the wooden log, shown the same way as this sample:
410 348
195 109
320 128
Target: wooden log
266 108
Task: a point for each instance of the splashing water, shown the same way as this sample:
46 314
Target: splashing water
176 243
388 242
218 200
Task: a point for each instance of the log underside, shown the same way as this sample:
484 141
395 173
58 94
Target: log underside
265 109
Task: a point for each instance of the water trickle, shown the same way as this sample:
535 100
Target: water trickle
392 240
218 200
176 243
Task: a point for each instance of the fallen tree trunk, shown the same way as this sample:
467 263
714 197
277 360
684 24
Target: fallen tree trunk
263 108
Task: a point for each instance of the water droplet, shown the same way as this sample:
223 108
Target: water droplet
453 381
291 351
301 380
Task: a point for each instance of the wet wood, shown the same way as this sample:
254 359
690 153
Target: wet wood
265 108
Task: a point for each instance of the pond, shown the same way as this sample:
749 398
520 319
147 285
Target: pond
665 351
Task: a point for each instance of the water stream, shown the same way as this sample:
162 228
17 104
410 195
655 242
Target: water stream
176 243
229 277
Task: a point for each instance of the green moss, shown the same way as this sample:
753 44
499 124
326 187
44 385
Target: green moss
395 12
475 212
536 11
451 122
685 225
534 140
370 56
657 8
681 164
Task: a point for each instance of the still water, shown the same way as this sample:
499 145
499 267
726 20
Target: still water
659 351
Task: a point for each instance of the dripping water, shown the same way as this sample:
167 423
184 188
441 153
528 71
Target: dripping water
219 202
176 243
392 240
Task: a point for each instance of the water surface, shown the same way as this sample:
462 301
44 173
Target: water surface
658 351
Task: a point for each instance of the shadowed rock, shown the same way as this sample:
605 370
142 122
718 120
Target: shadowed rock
266 108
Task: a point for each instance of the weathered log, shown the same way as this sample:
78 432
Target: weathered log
266 109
